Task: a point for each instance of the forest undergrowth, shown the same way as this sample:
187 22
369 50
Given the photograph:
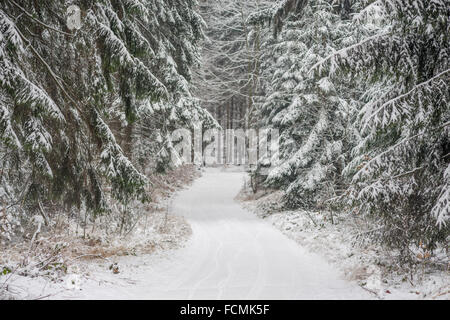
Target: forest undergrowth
66 243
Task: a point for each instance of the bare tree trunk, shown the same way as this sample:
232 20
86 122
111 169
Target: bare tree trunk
129 141
232 113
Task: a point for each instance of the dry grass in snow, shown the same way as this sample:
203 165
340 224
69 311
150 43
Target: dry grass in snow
65 247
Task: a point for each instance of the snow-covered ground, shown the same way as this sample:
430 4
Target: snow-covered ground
232 254
342 243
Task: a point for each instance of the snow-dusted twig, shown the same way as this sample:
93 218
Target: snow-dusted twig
36 233
41 210
394 100
345 50
89 255
38 21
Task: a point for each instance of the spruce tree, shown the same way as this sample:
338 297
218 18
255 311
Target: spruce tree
314 113
400 172
71 100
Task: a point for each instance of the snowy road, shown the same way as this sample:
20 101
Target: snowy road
232 255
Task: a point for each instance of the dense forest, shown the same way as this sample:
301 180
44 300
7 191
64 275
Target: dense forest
359 93
85 112
358 89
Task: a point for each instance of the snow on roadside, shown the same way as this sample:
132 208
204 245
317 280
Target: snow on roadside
83 258
74 259
340 242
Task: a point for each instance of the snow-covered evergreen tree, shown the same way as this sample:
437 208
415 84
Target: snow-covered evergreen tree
401 166
313 113
70 99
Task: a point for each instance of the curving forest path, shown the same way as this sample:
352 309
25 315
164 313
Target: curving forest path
232 254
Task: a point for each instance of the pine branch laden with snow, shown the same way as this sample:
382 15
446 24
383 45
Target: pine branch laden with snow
277 13
441 211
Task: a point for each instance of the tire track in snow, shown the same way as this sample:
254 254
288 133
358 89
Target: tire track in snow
209 273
